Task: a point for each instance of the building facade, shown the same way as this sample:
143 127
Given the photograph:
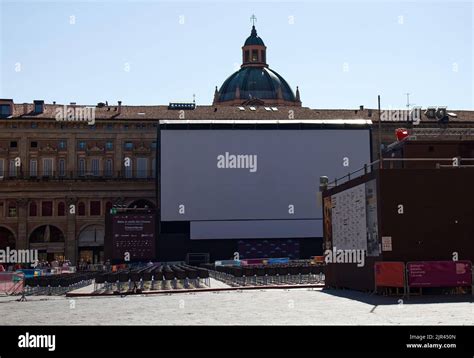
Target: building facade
59 178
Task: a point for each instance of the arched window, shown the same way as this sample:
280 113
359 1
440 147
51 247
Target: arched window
7 239
61 209
47 233
81 209
254 55
33 209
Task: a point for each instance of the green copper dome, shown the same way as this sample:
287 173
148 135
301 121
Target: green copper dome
255 82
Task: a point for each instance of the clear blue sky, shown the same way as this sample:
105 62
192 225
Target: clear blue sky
390 48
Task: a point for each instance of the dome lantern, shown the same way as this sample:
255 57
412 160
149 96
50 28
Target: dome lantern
254 51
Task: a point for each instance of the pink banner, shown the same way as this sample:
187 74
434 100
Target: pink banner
439 273
248 262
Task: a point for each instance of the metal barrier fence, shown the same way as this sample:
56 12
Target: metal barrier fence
11 283
394 163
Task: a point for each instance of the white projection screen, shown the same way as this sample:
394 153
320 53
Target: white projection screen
236 183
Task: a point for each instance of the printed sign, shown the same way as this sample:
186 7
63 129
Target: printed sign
439 273
133 234
386 243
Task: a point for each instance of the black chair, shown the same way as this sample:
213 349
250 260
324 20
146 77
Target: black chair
100 278
147 275
305 270
124 276
237 272
179 273
293 270
158 274
270 271
135 275
203 273
249 273
168 273
157 277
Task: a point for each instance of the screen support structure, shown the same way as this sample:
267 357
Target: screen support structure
380 133
158 184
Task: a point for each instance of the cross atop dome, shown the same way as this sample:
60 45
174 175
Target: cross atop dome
253 19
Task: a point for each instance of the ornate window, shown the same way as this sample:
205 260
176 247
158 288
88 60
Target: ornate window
254 55
81 209
62 167
33 209
61 209
81 167
33 168
108 168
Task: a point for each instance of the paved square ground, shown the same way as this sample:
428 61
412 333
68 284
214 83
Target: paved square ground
256 307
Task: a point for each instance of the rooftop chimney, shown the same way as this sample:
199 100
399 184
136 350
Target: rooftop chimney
119 106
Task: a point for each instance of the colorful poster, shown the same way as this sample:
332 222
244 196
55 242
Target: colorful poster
372 222
327 223
349 223
439 273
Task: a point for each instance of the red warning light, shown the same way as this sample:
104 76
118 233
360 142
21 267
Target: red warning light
401 133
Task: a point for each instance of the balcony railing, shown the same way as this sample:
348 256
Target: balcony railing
405 163
145 175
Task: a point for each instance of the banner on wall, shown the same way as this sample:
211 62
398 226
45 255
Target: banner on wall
390 274
439 273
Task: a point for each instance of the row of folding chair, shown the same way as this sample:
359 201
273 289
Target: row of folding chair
154 277
269 274
57 284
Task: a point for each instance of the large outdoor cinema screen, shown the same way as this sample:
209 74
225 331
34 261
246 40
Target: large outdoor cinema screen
239 183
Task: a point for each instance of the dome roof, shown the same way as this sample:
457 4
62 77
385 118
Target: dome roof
255 83
254 39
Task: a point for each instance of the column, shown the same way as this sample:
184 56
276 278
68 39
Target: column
22 233
71 244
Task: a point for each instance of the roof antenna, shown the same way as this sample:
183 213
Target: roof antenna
408 101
